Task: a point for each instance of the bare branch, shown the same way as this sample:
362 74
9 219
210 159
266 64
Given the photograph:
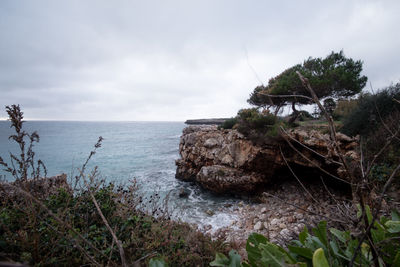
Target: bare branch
313 163
284 96
55 217
375 216
296 206
310 149
329 119
298 180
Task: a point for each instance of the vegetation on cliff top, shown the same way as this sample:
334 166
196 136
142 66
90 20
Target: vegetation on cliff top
333 76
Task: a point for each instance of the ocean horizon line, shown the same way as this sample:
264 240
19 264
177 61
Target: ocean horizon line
144 121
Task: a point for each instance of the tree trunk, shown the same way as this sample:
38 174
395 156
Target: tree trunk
295 114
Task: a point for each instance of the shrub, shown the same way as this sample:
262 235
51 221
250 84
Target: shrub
376 118
229 123
305 115
251 119
371 110
344 107
259 127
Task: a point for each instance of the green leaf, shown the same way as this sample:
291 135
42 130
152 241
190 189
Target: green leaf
321 233
271 256
359 213
315 243
396 261
157 262
304 252
288 257
341 235
303 235
220 260
257 239
234 259
393 226
378 234
395 216
252 247
368 213
319 259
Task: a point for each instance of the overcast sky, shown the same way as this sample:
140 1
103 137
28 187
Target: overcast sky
176 60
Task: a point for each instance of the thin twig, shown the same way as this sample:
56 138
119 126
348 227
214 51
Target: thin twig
111 251
375 216
284 96
294 205
313 163
55 217
388 142
312 150
117 242
338 205
329 119
136 263
295 176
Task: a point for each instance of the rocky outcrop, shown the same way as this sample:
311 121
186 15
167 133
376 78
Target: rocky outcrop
224 161
217 121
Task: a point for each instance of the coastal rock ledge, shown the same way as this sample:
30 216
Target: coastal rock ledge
224 161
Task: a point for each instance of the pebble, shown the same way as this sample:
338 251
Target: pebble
274 218
284 232
263 210
274 221
258 226
263 217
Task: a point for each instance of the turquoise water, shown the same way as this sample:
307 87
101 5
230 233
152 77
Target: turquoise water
145 151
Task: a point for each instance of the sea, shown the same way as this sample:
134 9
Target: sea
143 151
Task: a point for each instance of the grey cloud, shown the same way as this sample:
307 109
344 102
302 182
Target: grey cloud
172 60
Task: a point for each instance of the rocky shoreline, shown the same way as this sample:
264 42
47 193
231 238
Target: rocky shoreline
224 161
283 213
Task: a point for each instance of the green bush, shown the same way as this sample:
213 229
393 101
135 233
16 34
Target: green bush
255 125
375 119
259 127
305 116
28 234
344 107
371 111
229 123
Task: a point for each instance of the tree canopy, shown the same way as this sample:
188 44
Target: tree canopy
334 76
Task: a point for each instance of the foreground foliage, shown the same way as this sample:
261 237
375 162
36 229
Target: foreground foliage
323 248
28 234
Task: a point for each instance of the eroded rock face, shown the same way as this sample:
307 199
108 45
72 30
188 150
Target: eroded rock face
224 161
221 179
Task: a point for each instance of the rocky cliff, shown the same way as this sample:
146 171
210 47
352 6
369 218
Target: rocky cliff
224 161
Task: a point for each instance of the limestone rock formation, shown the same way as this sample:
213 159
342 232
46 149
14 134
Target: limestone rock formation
224 161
